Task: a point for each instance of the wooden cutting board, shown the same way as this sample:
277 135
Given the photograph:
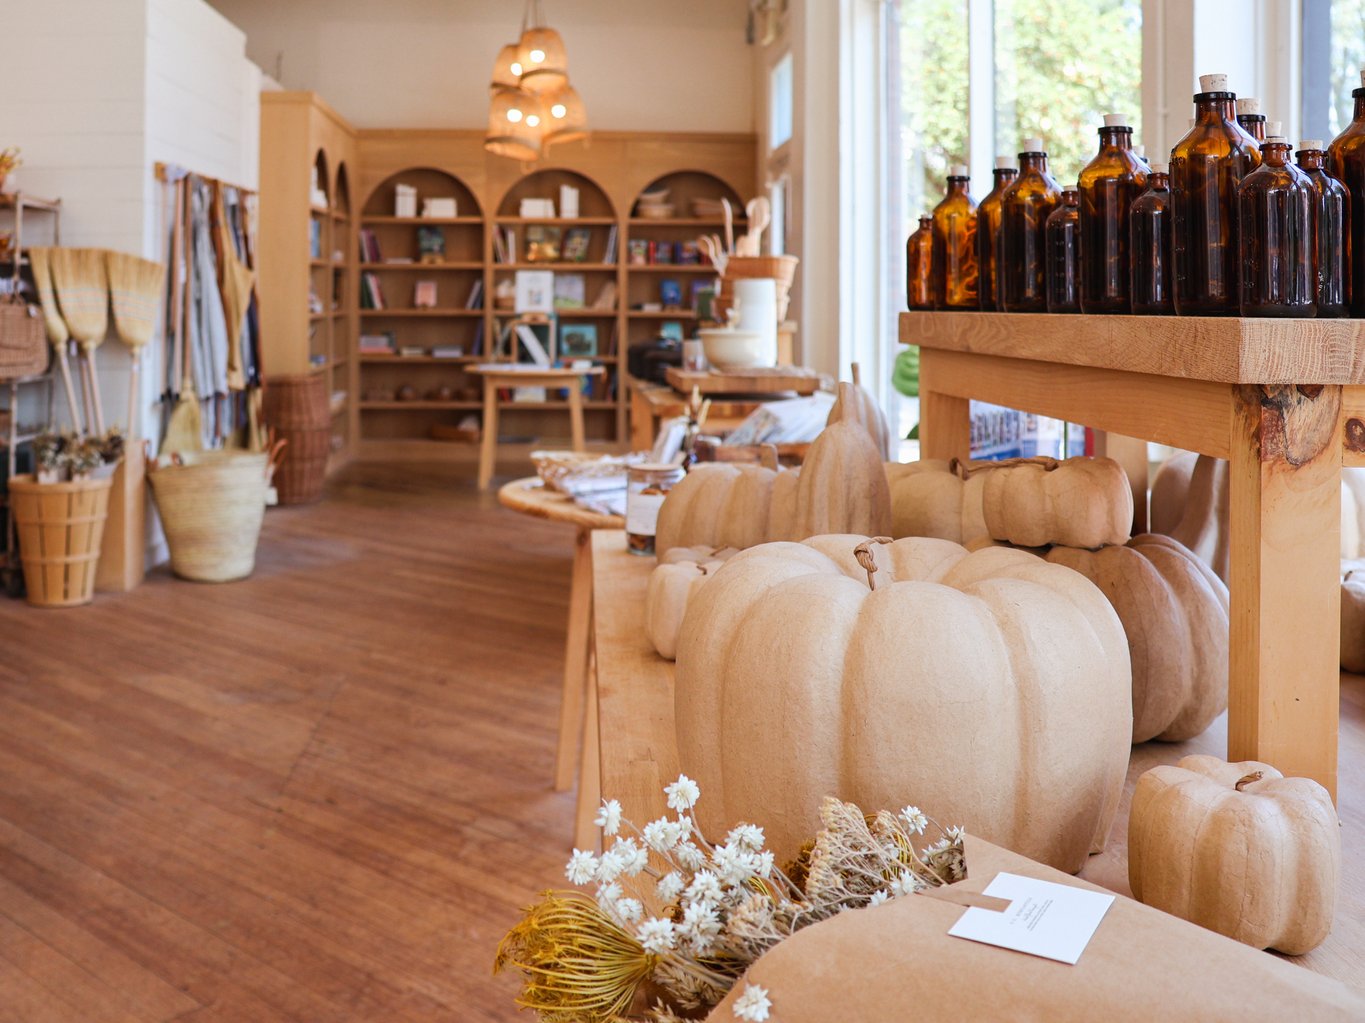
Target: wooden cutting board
767 380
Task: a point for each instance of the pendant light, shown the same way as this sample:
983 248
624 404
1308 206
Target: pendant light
532 104
544 61
515 125
506 69
566 120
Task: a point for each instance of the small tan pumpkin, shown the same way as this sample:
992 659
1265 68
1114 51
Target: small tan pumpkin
1239 849
932 497
862 408
991 688
1174 612
1353 616
719 504
1170 485
843 486
671 587
1078 502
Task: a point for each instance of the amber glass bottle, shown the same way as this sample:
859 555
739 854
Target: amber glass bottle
919 262
1250 118
1275 214
988 234
1346 160
1331 225
1207 165
955 273
1108 185
1149 225
1024 209
1064 255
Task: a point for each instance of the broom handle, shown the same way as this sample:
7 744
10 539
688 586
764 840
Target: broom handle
133 373
187 380
173 266
70 389
88 358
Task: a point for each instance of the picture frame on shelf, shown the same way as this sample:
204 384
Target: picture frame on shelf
431 244
638 252
542 244
576 243
424 295
535 291
570 291
673 330
578 340
670 293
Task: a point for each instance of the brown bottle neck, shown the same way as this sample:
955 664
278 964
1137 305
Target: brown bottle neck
1115 138
1004 175
1212 107
959 186
1312 159
1070 197
1275 154
1032 163
1359 112
1158 181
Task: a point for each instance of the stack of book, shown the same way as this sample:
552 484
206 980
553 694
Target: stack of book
371 294
378 344
369 246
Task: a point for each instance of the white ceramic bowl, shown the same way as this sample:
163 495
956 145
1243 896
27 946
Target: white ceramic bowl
732 349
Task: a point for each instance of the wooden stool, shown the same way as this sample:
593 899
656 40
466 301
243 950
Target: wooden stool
514 374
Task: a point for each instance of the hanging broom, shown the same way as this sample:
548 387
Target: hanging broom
82 285
135 292
57 333
184 432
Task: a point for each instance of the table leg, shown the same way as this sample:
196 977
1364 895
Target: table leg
945 429
641 422
488 450
585 833
1130 453
576 414
576 647
1283 700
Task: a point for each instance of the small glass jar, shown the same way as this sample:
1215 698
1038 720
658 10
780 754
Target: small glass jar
647 484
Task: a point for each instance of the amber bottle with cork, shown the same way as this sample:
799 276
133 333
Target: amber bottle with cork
1207 165
1250 118
1063 255
1275 206
954 259
1346 161
919 262
1024 209
988 235
1108 185
1149 227
1331 227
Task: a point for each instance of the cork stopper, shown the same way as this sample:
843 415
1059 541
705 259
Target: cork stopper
1033 145
1116 120
1249 105
1004 163
1362 77
1273 131
958 170
1308 144
1213 83
1159 168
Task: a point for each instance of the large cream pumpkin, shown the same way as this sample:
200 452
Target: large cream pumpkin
721 504
1239 849
1175 613
1078 502
1190 502
992 689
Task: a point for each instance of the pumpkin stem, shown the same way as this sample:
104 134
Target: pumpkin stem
1246 780
963 469
867 561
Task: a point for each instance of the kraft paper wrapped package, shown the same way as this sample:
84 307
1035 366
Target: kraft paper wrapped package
896 962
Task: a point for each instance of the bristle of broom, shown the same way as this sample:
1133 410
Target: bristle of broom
135 286
82 285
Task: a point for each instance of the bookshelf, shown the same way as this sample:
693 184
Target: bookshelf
610 172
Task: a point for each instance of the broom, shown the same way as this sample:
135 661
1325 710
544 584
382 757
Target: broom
184 432
135 292
82 286
57 333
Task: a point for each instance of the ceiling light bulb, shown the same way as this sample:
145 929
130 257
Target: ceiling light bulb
514 115
559 110
516 68
537 56
532 120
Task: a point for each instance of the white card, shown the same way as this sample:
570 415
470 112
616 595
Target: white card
1054 921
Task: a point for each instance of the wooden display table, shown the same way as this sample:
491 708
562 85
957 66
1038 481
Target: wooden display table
510 375
651 403
531 497
771 380
1282 400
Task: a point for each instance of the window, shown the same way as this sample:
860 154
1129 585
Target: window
780 103
1347 21
777 227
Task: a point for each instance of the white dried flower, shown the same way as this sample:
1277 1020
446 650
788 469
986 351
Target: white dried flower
609 867
581 868
750 836
752 1005
764 863
662 835
608 895
682 794
629 910
878 897
630 857
690 856
915 820
609 817
670 886
906 884
700 925
656 935
705 887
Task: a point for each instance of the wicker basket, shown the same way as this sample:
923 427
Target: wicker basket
211 505
782 269
298 409
23 339
60 527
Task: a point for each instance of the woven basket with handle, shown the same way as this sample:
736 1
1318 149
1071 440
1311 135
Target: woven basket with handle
23 339
297 408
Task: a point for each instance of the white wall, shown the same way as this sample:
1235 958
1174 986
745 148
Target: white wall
640 65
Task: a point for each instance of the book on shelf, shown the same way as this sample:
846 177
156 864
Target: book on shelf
570 291
378 344
424 295
661 252
687 254
411 351
537 209
447 351
606 297
404 201
542 244
477 347
314 239
568 202
371 294
534 291
475 299
499 247
537 348
431 244
399 261
439 208
577 341
576 242
510 243
528 394
670 293
609 257
637 252
369 247
700 286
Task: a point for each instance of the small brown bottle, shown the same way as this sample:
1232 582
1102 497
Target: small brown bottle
1250 118
954 261
919 262
1064 255
1331 227
1346 160
1108 185
988 235
1149 225
1207 165
1024 209
1275 206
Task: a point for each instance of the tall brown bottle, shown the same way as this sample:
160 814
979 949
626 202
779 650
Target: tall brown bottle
1064 255
1149 224
955 270
1250 118
1275 212
988 235
919 262
1207 165
1346 160
1331 227
1108 185
1024 209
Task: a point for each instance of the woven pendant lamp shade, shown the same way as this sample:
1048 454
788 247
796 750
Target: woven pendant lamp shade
566 119
544 61
515 125
507 69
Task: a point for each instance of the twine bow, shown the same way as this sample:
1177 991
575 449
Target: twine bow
1247 779
867 561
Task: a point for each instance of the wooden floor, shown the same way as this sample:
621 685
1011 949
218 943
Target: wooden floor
323 794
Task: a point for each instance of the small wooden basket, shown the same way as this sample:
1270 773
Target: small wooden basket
61 528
